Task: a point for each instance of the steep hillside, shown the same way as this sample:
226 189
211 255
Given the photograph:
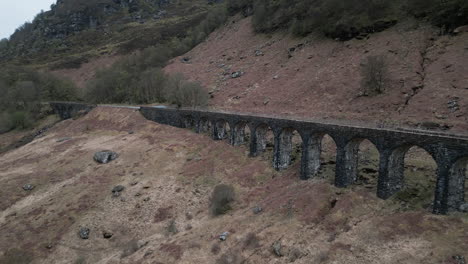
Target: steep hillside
316 77
162 215
73 32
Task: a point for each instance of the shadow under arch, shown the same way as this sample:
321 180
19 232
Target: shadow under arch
261 139
220 129
189 122
204 125
458 185
410 174
238 134
347 162
284 147
318 152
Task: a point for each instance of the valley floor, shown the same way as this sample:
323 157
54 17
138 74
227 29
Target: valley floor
162 215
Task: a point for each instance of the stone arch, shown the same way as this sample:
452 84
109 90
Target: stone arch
283 147
399 164
189 121
260 137
347 162
204 125
317 147
238 133
220 129
458 185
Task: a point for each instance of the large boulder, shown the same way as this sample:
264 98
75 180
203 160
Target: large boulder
105 156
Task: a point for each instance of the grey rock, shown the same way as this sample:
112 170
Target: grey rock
107 235
118 188
105 156
277 248
453 105
28 187
259 53
84 233
459 259
464 208
236 74
257 210
223 236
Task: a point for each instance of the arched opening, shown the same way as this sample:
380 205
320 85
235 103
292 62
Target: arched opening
238 134
458 186
347 162
204 125
220 130
284 147
413 171
262 142
368 164
189 122
324 147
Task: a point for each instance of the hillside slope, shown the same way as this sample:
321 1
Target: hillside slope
317 77
162 215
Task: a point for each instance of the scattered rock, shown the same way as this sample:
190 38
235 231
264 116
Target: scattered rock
259 53
223 236
459 259
453 105
266 101
105 156
131 132
49 246
117 190
84 233
464 208
277 248
138 194
146 199
275 77
28 187
107 235
185 59
134 183
257 209
237 74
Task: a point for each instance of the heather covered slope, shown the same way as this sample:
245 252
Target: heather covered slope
169 174
318 77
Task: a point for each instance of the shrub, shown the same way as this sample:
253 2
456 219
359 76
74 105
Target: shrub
184 93
374 74
5 122
21 120
222 197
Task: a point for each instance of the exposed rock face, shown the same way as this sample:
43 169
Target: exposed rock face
105 156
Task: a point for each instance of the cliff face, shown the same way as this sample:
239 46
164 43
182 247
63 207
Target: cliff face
70 25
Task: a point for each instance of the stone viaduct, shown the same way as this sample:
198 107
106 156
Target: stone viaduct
450 152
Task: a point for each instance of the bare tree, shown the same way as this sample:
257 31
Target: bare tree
374 73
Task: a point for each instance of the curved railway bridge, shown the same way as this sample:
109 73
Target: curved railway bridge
450 152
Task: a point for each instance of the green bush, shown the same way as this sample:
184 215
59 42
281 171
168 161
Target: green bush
21 120
184 93
222 197
5 122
